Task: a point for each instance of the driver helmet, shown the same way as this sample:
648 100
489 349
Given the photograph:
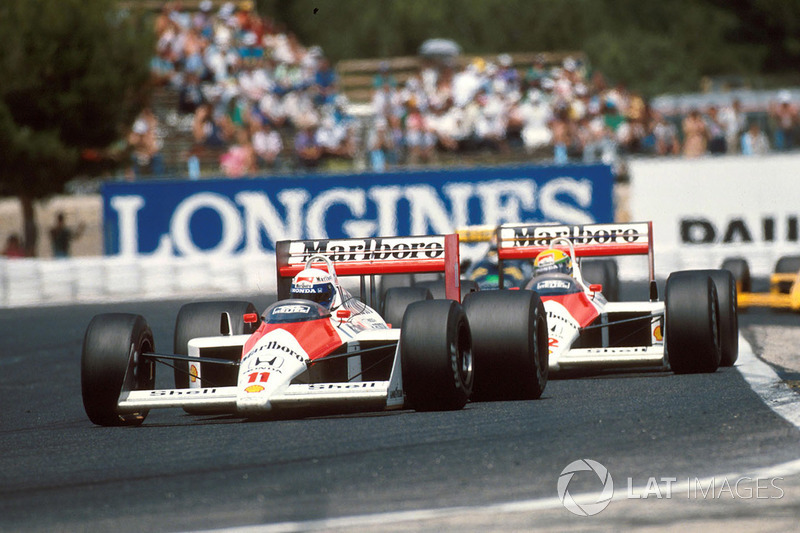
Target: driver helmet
552 260
316 285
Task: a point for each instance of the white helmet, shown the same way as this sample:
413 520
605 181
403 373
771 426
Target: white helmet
316 285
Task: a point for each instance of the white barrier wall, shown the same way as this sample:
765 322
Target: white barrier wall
703 211
27 282
708 209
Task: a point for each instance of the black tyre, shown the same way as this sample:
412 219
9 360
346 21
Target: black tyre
389 281
788 264
692 330
202 319
604 272
437 287
112 362
436 355
741 272
397 300
725 284
509 341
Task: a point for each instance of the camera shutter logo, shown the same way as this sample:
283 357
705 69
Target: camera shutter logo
590 508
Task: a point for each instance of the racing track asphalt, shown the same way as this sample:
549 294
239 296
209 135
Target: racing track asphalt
178 472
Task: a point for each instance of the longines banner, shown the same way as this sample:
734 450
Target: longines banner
185 218
705 210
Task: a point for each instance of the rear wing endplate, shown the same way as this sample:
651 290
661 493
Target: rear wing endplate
374 256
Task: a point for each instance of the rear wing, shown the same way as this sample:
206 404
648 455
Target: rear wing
525 241
374 256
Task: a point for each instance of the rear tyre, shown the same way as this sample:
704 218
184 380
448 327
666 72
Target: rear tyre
438 290
692 330
397 300
741 272
789 264
604 272
112 362
436 355
202 319
509 341
728 314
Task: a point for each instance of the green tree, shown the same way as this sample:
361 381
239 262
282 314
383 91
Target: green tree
72 76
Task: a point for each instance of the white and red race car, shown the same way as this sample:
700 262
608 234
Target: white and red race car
301 357
694 329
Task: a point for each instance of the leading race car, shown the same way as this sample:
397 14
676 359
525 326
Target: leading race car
695 329
324 351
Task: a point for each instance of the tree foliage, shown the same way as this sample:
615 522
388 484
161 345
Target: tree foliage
71 75
652 47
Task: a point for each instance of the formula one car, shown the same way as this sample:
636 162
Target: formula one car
302 357
784 284
694 330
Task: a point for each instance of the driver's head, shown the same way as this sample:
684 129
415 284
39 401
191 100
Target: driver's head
552 260
315 285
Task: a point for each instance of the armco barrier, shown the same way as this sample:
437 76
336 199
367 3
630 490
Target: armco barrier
30 282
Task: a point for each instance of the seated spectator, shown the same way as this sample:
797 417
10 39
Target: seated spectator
211 129
534 115
239 160
754 141
325 83
695 135
419 139
190 95
146 141
665 135
308 153
380 145
267 144
13 248
335 138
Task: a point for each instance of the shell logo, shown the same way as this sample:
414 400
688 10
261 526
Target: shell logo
657 333
193 372
254 388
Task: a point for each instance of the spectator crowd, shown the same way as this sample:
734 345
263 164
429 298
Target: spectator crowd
259 100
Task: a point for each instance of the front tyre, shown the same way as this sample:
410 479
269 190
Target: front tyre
692 331
436 355
509 338
112 363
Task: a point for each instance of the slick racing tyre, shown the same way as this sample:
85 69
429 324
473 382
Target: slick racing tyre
397 300
741 272
436 355
725 284
437 287
604 272
788 264
111 363
202 319
692 329
509 341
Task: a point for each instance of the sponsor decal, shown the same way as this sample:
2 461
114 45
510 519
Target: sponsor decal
231 217
182 392
369 249
657 334
553 284
193 372
272 345
290 309
252 389
738 230
514 236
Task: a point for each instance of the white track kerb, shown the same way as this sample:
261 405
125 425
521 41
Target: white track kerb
759 375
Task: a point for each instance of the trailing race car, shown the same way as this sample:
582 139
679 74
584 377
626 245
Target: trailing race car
485 272
695 329
318 349
784 284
